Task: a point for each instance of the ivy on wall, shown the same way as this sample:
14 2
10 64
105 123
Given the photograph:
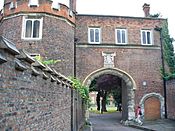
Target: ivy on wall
168 50
83 90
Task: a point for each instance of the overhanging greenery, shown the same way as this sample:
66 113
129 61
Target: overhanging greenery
83 90
46 62
168 52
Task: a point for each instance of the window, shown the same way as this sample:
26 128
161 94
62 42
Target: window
33 3
146 37
94 35
121 37
32 28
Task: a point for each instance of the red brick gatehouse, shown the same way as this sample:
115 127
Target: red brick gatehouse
90 46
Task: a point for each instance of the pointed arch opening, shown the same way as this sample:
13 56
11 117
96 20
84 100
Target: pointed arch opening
127 85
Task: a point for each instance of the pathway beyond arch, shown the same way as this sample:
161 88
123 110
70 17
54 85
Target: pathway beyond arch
108 122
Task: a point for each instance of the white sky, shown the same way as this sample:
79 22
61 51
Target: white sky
127 8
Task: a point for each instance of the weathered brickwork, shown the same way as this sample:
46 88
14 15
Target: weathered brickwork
171 98
31 101
141 62
108 24
64 35
57 36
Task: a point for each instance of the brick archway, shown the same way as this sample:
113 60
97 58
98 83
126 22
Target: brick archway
129 84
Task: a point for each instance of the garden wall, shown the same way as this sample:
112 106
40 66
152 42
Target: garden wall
171 99
33 96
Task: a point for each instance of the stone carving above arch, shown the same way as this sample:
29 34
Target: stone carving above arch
153 94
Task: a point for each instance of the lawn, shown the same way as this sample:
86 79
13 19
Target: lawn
109 110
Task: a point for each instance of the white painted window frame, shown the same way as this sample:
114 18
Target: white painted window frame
89 39
24 28
126 36
151 37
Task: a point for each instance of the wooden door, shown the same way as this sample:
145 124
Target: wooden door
152 108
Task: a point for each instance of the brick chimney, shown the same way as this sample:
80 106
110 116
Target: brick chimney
73 5
146 9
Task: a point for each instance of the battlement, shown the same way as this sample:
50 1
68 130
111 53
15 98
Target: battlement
12 7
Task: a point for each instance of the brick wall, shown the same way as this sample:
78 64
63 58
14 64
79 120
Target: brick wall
57 40
141 62
171 98
30 100
108 24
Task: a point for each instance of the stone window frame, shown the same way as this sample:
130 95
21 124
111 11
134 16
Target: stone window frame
33 19
151 36
33 3
126 36
99 35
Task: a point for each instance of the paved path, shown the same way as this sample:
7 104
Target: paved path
108 122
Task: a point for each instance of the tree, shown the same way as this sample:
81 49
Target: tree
157 15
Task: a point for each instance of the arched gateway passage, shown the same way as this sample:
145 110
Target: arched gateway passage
127 84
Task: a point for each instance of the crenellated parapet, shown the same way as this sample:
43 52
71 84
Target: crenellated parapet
64 10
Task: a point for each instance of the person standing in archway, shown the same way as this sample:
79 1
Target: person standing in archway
98 101
120 107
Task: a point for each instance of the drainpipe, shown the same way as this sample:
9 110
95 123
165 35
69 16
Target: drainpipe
74 75
72 127
163 70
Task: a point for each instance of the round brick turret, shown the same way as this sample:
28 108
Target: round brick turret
42 27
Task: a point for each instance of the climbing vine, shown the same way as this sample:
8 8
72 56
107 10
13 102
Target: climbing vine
46 62
83 90
168 52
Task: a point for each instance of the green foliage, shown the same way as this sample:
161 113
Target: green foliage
93 85
155 15
117 95
46 62
109 110
168 52
83 90
167 75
